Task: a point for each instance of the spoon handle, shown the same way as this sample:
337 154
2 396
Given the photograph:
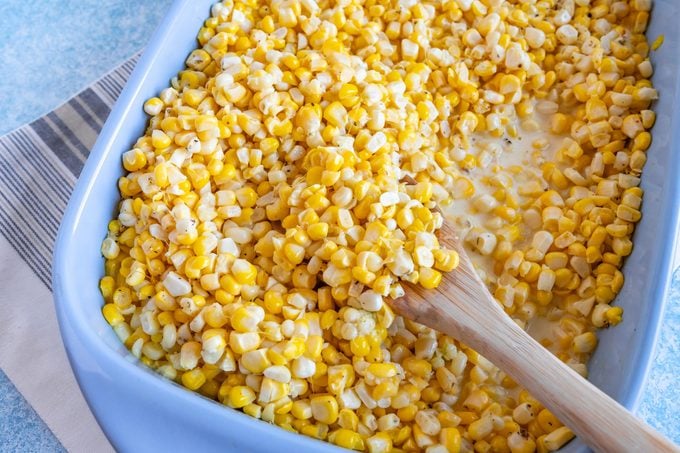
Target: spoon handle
592 415
477 319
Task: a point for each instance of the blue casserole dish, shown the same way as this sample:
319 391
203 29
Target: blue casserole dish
140 411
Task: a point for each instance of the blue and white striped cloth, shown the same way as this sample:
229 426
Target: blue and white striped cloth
39 165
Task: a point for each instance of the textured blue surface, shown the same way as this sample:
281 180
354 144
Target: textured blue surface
21 429
53 48
660 400
50 49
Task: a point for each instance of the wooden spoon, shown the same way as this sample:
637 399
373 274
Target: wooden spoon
463 308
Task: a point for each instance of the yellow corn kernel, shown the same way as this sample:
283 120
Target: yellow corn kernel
318 431
348 95
418 367
106 286
122 297
347 439
153 106
380 442
273 302
450 438
657 42
134 160
335 114
244 272
301 409
585 342
159 139
359 346
294 253
324 409
348 419
272 390
547 421
614 315
314 346
429 278
294 348
255 361
339 377
241 396
556 439
382 370
194 379
253 410
521 443
318 231
112 314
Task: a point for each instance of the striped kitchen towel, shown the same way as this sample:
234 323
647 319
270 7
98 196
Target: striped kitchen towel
39 165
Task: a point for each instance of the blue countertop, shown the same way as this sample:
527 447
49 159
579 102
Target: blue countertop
52 49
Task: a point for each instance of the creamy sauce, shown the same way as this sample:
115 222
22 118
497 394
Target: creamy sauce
518 160
542 330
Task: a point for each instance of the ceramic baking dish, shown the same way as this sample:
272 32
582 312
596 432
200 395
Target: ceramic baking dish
140 411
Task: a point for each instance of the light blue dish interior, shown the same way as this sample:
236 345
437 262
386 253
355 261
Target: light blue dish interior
140 411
